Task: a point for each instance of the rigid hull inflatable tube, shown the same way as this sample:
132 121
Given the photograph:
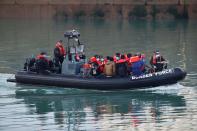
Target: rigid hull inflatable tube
169 76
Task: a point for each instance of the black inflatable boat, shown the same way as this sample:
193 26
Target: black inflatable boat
168 76
69 79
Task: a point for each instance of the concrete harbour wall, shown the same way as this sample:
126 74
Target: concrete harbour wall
110 9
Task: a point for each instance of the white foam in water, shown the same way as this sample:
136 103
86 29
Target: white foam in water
169 89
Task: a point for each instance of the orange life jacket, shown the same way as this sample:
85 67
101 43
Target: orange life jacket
86 66
134 59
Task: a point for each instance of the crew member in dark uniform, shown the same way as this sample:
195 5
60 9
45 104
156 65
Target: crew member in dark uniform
158 62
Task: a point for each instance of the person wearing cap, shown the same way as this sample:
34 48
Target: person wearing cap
158 62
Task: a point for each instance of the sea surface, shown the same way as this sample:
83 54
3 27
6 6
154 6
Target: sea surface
37 108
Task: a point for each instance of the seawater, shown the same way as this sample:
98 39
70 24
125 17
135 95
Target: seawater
30 107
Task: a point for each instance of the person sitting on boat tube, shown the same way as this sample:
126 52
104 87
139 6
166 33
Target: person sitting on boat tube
116 57
122 67
109 67
94 61
137 65
42 63
158 62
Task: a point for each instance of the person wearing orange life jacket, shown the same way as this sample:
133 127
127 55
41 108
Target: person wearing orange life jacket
134 59
158 62
86 69
137 66
122 67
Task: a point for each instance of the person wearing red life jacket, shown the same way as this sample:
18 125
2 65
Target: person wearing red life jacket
59 51
106 59
59 54
101 64
129 55
116 57
158 62
42 63
94 61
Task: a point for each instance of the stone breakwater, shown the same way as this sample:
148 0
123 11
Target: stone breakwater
107 9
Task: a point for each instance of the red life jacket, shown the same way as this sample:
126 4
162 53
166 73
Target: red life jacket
154 59
77 57
42 57
101 68
61 49
93 59
105 61
114 58
99 62
125 56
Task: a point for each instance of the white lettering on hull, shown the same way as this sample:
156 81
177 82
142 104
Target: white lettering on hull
169 71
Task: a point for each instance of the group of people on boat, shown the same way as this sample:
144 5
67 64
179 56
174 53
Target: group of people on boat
124 65
121 65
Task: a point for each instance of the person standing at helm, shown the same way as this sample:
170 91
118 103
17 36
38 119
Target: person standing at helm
59 54
59 51
158 62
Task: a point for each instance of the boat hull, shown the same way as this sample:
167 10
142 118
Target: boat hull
165 77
